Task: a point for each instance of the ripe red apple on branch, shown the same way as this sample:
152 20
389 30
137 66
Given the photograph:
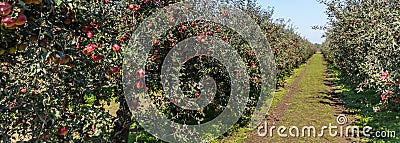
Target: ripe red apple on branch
21 20
8 21
116 47
5 8
62 131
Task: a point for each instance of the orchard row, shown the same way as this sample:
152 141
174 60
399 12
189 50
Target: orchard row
61 64
363 42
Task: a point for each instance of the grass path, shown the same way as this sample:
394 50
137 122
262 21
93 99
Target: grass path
307 101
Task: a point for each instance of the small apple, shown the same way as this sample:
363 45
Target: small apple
96 57
45 136
150 25
184 27
116 47
255 79
90 34
67 21
138 84
193 24
197 95
199 38
210 33
140 73
23 90
89 49
207 25
5 8
225 14
137 8
115 69
8 21
131 6
155 43
171 20
4 68
218 30
224 38
62 131
85 28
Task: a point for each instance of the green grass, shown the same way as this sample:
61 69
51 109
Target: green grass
309 105
240 134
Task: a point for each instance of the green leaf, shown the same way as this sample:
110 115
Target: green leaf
58 2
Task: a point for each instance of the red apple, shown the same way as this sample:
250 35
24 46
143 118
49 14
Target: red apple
106 1
171 19
199 38
192 24
4 68
225 14
131 6
155 43
115 69
8 21
89 49
204 33
90 34
207 25
210 33
116 47
23 90
197 95
255 79
184 27
67 21
150 25
45 136
140 73
224 38
96 57
5 8
139 84
85 28
252 64
218 30
62 131
137 8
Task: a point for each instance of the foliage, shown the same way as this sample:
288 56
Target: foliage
362 42
61 66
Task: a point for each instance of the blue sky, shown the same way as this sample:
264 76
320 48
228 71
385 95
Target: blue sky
303 14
